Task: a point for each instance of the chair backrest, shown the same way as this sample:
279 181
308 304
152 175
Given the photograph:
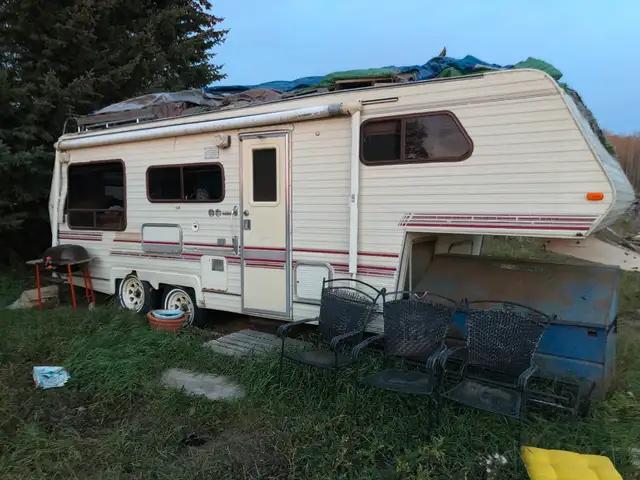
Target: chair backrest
415 324
503 336
346 305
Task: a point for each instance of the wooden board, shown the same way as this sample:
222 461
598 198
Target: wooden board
249 342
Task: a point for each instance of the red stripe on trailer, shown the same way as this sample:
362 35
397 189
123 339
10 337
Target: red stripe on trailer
504 226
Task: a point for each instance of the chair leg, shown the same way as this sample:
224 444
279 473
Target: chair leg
281 361
435 412
354 398
335 374
38 291
72 289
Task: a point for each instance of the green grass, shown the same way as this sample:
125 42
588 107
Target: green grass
113 420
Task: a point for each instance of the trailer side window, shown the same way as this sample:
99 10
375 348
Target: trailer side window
202 182
431 137
96 196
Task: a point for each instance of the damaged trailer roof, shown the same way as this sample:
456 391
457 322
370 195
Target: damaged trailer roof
162 105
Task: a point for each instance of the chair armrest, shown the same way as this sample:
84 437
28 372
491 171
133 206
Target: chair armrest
335 341
433 360
449 352
283 329
355 353
525 376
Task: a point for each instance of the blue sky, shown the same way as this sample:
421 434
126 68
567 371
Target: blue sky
596 44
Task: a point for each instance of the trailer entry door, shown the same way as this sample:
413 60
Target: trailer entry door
265 252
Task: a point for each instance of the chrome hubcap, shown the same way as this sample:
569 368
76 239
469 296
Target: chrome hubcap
180 300
132 293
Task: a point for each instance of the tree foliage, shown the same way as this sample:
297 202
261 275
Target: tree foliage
627 149
60 58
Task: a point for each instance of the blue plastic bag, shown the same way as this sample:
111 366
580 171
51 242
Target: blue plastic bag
50 377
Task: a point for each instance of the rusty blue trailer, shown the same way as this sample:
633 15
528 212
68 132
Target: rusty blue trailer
581 341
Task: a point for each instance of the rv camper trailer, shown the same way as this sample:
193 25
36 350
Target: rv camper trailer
248 209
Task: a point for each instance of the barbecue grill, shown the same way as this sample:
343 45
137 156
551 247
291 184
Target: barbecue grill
66 259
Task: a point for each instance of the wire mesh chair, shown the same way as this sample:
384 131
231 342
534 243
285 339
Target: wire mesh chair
495 366
346 308
415 326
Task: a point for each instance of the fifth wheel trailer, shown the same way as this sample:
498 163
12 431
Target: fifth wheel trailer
248 209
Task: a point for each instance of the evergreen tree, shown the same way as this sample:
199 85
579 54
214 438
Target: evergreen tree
60 58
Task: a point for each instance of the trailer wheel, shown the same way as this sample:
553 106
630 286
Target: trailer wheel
134 294
178 298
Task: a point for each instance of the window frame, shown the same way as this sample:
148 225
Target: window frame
124 200
403 118
181 166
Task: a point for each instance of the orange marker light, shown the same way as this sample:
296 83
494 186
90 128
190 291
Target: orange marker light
595 196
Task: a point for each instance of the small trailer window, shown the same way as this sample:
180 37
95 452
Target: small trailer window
430 137
202 182
96 196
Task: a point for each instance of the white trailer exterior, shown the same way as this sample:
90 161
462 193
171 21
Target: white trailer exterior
535 169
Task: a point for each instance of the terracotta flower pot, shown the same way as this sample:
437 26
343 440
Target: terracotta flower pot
165 324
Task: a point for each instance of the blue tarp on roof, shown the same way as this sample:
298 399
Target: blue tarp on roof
436 67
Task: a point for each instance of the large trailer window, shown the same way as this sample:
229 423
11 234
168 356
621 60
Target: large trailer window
96 196
202 182
429 137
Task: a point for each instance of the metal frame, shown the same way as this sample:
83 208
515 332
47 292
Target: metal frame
286 134
491 377
334 343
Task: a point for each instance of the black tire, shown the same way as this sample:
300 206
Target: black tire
134 294
183 298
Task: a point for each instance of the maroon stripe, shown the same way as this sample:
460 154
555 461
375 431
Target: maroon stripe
260 265
476 225
264 260
378 254
197 244
367 272
509 215
502 220
82 239
375 267
345 252
148 255
275 249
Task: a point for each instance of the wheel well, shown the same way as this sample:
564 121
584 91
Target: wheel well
167 286
118 280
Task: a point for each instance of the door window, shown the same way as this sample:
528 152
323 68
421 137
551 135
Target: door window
265 175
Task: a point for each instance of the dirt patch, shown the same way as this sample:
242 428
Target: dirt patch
245 454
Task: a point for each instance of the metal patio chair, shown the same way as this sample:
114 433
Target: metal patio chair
415 326
494 368
346 308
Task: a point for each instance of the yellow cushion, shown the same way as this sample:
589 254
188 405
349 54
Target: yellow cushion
562 465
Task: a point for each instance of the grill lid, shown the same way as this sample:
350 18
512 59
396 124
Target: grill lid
65 255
